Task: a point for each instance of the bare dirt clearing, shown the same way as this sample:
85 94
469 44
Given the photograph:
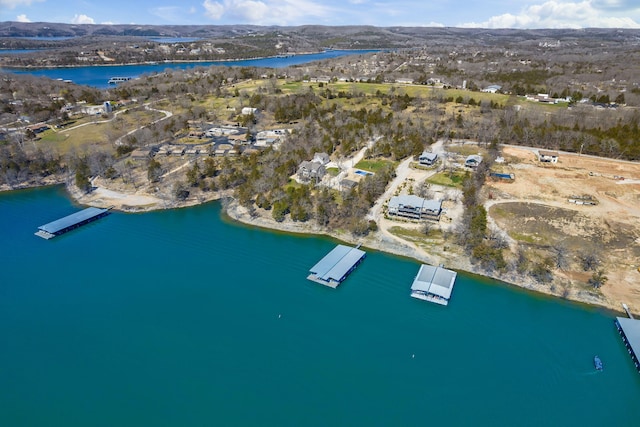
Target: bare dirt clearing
535 211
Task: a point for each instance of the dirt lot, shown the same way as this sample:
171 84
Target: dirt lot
535 211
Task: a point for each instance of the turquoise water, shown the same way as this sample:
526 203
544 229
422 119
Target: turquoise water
182 318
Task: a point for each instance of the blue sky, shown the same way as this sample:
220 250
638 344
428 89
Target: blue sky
383 13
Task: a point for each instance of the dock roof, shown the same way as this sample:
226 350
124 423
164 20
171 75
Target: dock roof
631 329
71 220
434 280
337 263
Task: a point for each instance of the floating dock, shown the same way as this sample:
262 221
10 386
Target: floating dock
433 284
70 222
336 265
630 332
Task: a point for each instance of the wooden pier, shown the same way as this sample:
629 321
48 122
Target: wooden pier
71 222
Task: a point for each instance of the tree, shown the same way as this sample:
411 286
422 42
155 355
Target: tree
589 260
180 191
561 255
82 176
598 279
154 170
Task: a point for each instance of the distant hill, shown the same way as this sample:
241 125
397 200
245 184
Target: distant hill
320 36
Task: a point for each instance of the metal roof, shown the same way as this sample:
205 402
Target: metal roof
411 200
434 280
428 155
337 263
70 220
631 328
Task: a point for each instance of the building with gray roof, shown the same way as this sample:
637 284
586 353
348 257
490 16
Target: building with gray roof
69 222
414 207
433 284
427 158
630 331
336 265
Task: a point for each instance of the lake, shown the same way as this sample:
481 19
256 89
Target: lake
184 317
98 76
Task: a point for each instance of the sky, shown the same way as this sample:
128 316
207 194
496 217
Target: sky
527 14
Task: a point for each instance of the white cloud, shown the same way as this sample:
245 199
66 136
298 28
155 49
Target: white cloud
12 4
22 18
266 12
558 14
82 19
213 9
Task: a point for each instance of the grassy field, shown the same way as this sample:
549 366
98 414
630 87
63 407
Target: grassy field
447 179
373 165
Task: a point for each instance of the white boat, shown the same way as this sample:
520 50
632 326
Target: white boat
115 80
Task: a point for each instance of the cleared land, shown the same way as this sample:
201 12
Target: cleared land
536 212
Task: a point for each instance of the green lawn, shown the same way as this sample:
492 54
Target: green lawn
333 171
447 179
373 165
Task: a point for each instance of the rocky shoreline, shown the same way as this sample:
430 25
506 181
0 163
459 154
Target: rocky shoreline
380 240
384 243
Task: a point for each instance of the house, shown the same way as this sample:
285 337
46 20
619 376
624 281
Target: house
38 127
322 158
247 111
348 184
311 170
414 207
427 159
548 156
321 79
473 161
404 81
491 89
142 153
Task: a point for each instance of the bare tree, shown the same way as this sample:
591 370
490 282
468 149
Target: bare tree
561 255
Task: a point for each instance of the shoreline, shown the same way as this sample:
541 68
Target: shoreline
172 61
379 240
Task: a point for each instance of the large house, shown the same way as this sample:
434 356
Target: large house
311 170
414 207
427 159
322 158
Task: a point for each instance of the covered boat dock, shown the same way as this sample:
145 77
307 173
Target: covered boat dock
70 222
433 284
336 265
630 332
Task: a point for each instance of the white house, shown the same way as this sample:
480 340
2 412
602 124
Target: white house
491 89
548 156
404 81
246 111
